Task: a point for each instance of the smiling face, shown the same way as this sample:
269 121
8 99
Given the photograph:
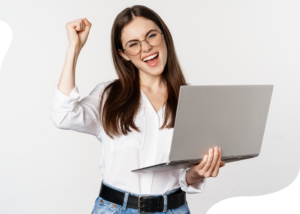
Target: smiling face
137 30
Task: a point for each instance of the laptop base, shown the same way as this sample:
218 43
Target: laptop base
188 163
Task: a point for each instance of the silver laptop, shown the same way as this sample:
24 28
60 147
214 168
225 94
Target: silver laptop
232 117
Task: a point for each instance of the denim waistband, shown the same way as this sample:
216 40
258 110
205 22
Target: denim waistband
137 195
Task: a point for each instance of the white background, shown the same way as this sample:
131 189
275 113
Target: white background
47 170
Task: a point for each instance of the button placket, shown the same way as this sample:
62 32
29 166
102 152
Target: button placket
147 178
151 160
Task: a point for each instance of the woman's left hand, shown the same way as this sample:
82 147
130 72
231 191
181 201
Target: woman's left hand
208 167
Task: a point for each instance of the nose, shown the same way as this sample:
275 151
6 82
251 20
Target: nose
146 47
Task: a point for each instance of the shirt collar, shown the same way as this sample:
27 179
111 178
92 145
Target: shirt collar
148 104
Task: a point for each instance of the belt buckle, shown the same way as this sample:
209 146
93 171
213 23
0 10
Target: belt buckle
139 200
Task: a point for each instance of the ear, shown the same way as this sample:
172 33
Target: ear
122 54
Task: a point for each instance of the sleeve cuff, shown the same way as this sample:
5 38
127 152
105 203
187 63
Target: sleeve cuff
191 189
62 102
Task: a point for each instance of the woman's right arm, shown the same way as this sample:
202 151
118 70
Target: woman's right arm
67 78
78 31
67 111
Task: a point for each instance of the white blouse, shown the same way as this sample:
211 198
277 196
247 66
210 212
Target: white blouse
124 153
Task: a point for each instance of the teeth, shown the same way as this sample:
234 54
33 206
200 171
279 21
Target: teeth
150 57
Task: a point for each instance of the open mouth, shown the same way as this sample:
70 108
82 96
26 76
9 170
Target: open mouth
153 60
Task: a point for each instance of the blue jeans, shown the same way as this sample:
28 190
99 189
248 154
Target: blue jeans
107 207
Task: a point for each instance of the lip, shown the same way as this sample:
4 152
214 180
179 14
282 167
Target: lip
149 55
153 64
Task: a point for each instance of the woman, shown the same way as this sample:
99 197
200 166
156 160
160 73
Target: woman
132 116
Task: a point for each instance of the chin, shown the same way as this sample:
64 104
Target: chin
154 73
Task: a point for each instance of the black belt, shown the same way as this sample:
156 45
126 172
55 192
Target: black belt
144 204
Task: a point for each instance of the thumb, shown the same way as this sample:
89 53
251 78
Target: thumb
87 27
87 23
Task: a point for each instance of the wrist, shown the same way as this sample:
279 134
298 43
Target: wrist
73 52
74 48
193 177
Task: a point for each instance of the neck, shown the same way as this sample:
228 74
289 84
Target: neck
152 82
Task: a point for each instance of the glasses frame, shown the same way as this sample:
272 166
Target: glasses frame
124 50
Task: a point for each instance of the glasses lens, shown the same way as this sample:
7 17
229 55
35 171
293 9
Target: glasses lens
154 38
133 48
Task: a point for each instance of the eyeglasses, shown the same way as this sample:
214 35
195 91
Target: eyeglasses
153 38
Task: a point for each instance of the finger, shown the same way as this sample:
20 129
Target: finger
202 163
74 25
216 169
77 26
214 162
208 162
222 164
220 157
81 25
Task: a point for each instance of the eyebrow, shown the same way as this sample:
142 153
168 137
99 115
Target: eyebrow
137 39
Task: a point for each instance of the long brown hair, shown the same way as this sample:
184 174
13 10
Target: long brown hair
123 97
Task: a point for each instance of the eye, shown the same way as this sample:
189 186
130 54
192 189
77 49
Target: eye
132 44
152 35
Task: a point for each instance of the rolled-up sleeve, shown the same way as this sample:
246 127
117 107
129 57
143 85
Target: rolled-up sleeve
71 113
191 189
